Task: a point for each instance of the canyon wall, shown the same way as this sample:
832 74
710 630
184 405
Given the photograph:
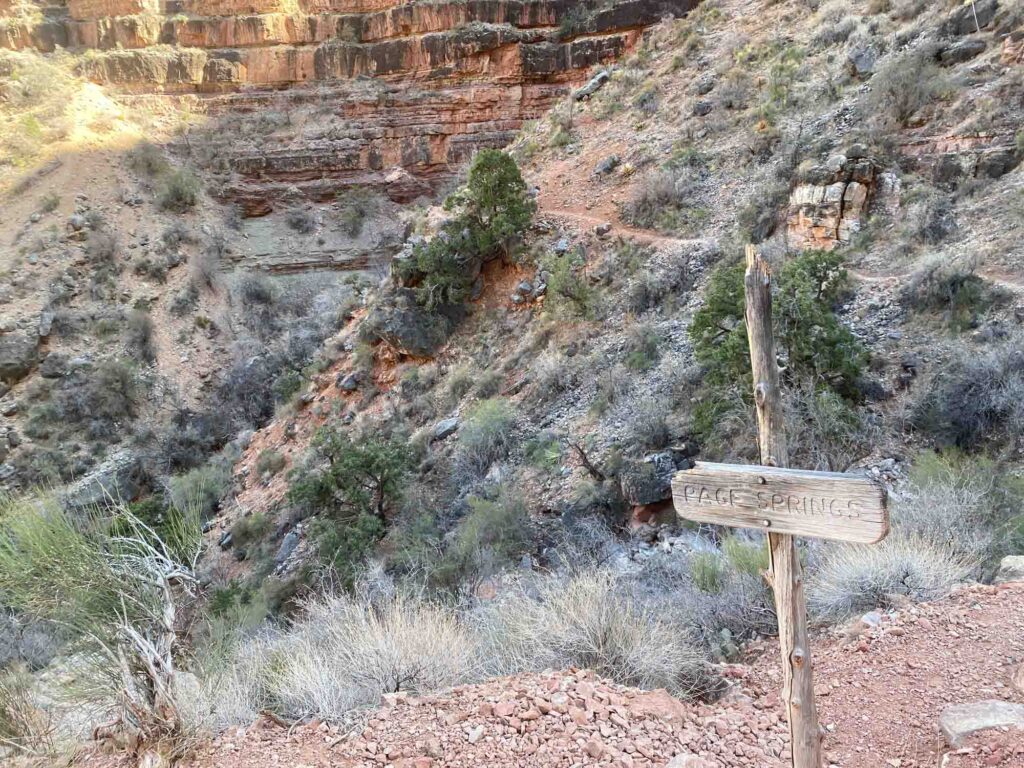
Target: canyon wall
448 76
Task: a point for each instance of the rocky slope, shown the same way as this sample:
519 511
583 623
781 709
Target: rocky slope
899 688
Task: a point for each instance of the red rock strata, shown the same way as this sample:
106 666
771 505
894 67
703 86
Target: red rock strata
453 76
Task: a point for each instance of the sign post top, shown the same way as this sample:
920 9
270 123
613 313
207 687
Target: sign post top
823 505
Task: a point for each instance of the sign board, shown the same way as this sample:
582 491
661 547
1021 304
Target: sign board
822 505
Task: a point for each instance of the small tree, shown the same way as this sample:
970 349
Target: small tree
494 202
115 587
816 345
361 476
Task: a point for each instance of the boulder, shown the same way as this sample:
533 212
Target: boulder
349 382
399 321
118 478
19 353
958 721
961 50
607 165
969 18
595 84
1011 569
54 366
702 108
291 541
446 428
861 62
650 481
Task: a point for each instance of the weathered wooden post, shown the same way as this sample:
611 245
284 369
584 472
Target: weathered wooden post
784 560
783 503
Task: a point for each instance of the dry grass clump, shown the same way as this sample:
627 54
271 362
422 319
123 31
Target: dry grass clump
347 652
587 622
854 578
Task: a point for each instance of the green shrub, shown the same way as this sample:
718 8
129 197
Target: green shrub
343 545
492 211
23 725
50 202
707 571
140 340
904 84
201 488
495 532
950 287
146 157
973 505
485 437
642 347
569 290
363 476
250 529
270 462
301 220
851 579
179 192
816 345
663 199
355 209
746 557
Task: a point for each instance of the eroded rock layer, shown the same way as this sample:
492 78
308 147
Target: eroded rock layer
449 76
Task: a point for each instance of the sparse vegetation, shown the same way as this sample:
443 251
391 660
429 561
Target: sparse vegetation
951 288
486 435
976 399
904 85
179 191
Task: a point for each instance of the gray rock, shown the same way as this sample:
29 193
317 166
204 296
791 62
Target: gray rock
77 222
835 163
1011 568
19 352
994 163
595 84
225 540
45 323
607 165
702 108
562 246
446 428
856 152
291 541
524 287
650 481
969 18
961 50
705 85
862 61
959 721
349 382
402 323
116 478
603 229
54 366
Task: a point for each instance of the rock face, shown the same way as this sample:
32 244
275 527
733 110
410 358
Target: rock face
961 720
19 352
1011 569
827 209
449 76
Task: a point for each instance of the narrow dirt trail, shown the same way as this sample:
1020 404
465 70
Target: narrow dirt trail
619 229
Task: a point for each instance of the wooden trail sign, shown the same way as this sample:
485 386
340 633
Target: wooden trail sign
784 503
825 505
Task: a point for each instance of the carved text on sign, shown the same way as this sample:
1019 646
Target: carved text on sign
826 505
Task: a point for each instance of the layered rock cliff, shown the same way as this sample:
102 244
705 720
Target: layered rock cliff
451 76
